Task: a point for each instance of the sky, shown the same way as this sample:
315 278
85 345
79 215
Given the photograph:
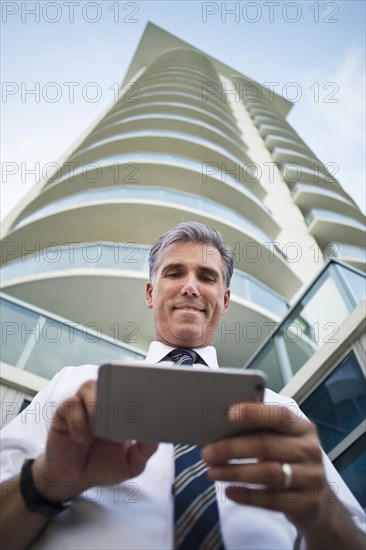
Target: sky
62 62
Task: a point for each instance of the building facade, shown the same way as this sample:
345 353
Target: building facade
188 139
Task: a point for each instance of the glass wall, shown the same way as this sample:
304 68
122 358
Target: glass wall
352 466
314 321
338 405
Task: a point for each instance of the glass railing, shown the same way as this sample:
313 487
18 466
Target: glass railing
130 257
131 194
314 321
38 342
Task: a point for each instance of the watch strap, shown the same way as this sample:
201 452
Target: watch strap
33 500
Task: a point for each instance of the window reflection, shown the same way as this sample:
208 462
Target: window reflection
338 405
313 322
352 466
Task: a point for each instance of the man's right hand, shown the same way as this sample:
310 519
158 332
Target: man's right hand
76 459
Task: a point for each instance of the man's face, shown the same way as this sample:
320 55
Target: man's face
188 295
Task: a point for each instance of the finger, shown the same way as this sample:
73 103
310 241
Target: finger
264 446
138 455
88 396
269 473
259 416
72 417
293 501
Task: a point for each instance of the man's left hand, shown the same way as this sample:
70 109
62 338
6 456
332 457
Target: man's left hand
278 435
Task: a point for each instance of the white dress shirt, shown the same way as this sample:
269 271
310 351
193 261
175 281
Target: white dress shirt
138 513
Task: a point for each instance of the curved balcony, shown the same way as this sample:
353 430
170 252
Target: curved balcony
128 257
167 119
285 155
275 130
143 214
141 194
270 120
275 141
172 172
263 110
307 196
169 108
327 226
174 74
188 99
162 125
180 79
109 280
161 86
294 173
161 141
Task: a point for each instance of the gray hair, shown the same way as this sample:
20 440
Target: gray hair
192 232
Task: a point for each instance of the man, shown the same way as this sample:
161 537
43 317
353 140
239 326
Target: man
120 492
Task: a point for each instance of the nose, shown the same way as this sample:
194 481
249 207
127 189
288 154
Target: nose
190 287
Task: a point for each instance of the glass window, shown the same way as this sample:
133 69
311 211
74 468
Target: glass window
323 311
266 299
299 347
355 281
352 466
338 405
268 362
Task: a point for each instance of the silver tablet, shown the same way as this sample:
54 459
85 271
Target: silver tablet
149 402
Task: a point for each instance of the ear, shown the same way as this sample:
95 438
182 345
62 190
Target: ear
149 299
226 301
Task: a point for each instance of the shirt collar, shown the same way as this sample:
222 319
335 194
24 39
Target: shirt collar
157 351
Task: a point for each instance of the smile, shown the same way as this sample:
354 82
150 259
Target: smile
186 308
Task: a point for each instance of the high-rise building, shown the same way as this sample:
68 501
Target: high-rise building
191 139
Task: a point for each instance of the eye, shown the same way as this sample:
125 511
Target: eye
172 274
208 278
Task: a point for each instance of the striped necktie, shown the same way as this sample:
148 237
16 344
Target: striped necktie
196 515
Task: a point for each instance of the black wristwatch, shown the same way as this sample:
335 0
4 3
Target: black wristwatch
33 500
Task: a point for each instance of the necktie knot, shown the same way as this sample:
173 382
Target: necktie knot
183 357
